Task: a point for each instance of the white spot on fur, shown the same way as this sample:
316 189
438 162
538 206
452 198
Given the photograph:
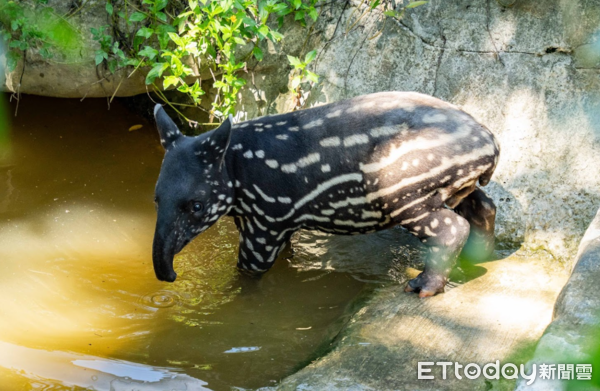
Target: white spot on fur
388 130
330 142
356 139
434 118
289 168
313 124
370 214
272 163
334 114
309 159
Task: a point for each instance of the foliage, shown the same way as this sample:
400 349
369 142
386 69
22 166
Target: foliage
175 42
304 72
392 12
179 42
32 24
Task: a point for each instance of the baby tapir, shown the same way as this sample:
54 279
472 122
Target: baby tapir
350 167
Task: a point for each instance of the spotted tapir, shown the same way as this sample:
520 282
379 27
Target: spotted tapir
350 167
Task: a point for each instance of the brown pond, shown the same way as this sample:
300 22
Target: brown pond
80 307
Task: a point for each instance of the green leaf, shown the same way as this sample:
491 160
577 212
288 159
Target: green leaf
314 14
162 33
99 58
170 81
137 17
176 38
109 8
160 4
294 61
310 56
275 36
258 53
375 3
263 31
415 4
148 52
393 14
145 32
296 3
161 16
112 66
156 71
312 76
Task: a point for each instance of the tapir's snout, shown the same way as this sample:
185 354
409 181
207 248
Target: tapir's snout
163 252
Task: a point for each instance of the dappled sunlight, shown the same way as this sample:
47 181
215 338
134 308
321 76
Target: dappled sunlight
490 317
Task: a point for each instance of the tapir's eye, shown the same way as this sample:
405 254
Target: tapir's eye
197 206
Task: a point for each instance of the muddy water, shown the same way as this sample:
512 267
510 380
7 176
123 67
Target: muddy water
80 307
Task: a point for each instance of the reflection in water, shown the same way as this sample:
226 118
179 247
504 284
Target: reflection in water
39 369
77 291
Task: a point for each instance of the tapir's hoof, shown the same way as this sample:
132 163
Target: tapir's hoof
426 285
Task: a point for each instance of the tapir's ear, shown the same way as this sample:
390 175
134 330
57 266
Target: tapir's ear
217 142
167 129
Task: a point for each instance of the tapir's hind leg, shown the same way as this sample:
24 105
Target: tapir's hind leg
479 210
444 233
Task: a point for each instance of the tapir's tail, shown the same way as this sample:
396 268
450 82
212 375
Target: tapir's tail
485 178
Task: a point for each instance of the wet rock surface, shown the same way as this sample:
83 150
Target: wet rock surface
572 337
497 313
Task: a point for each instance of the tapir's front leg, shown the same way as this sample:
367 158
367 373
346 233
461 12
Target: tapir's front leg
444 233
259 247
479 210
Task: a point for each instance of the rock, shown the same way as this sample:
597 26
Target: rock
528 72
498 313
572 337
72 72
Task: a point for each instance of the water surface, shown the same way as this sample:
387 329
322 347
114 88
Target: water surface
79 304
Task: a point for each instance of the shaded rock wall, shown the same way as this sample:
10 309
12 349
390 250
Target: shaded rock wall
528 72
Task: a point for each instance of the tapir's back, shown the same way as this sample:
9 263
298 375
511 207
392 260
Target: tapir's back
359 162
